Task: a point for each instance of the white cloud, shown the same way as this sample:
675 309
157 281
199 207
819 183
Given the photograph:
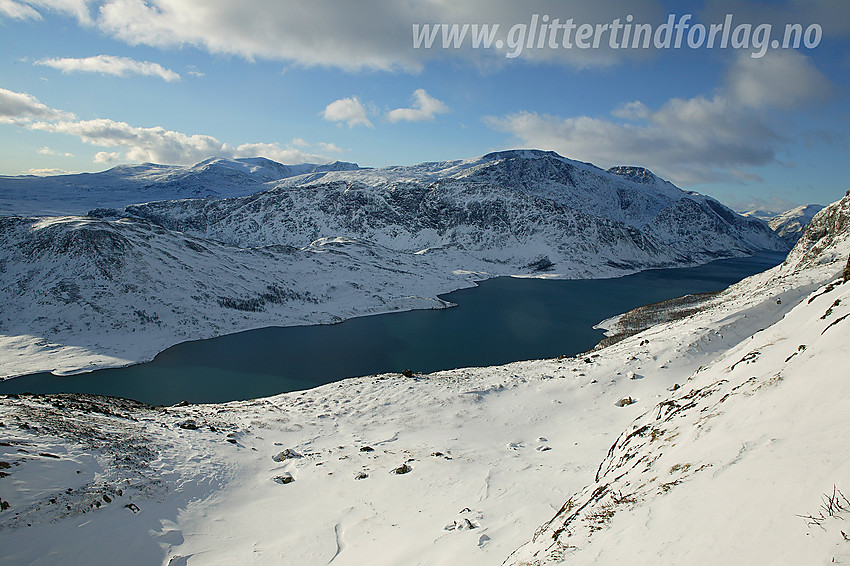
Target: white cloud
274 152
631 110
140 144
18 11
330 147
379 34
322 32
19 107
348 110
356 35
323 146
47 151
107 157
425 107
160 145
701 139
110 65
47 171
32 9
782 80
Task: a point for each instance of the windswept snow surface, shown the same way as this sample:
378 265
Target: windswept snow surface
707 439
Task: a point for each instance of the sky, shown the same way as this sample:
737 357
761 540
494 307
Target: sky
89 84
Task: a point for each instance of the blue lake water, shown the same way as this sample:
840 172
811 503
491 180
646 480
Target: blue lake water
502 320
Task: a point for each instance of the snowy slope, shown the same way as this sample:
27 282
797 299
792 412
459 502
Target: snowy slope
495 221
734 466
463 466
129 184
764 215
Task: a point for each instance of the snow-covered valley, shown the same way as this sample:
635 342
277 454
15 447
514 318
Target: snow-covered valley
707 439
319 244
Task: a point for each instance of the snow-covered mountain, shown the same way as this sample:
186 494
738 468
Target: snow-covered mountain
764 215
87 292
791 224
716 437
128 184
503 204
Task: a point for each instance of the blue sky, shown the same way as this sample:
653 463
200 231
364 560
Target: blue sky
85 85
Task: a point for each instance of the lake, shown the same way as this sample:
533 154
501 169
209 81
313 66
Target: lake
502 320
